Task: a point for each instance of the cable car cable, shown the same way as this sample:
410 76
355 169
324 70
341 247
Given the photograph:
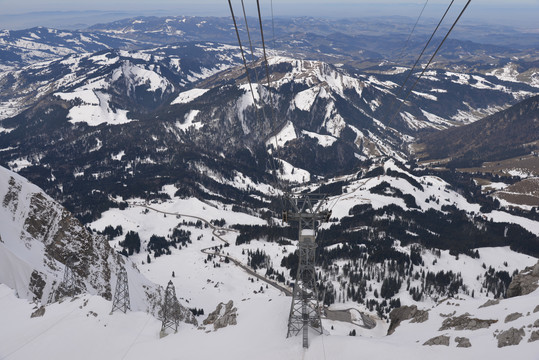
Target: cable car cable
430 60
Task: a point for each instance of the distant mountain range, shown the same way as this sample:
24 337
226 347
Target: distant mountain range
506 134
150 134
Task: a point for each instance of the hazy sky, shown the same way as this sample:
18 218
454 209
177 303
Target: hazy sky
22 6
513 12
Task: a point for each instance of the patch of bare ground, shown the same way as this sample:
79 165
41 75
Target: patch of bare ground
528 164
525 192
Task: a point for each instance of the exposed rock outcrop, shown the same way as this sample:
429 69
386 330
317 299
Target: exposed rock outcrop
525 282
465 322
406 313
223 316
39 236
534 336
463 342
438 340
39 312
510 337
512 317
490 303
536 309
420 316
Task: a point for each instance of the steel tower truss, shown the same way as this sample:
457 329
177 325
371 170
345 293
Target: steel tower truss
304 310
170 310
121 295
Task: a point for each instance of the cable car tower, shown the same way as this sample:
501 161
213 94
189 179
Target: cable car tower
304 310
121 295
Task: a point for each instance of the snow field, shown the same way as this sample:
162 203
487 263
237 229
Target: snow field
259 334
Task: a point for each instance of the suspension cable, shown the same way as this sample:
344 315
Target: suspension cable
253 56
265 58
430 60
410 35
274 169
259 86
241 49
269 93
272 23
426 45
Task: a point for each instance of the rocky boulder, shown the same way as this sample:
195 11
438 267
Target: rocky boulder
463 342
39 312
490 303
465 322
512 317
525 282
510 337
223 316
406 313
438 340
534 336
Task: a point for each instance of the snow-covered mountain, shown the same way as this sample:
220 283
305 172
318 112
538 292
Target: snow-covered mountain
133 81
24 47
168 156
39 238
466 323
192 101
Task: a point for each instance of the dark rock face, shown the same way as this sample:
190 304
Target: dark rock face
464 322
527 281
406 313
490 302
512 317
37 283
438 340
510 337
39 312
534 336
463 342
65 237
223 316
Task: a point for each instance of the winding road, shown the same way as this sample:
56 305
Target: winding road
339 315
218 232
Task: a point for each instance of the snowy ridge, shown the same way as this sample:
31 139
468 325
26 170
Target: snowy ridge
37 235
203 284
189 95
152 75
359 192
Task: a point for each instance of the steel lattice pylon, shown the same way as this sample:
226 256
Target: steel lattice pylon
304 310
68 285
170 310
121 295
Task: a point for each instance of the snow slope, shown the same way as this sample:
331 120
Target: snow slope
37 235
203 281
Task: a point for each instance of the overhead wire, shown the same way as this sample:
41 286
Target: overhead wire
274 168
259 88
424 48
273 120
413 29
272 23
265 59
241 49
417 61
387 112
430 60
252 53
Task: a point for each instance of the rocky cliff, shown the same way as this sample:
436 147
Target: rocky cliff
38 238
